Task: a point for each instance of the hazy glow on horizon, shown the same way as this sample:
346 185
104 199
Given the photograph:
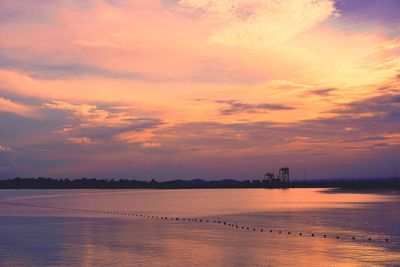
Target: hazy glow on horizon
199 88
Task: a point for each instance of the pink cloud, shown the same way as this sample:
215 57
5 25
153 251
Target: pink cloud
7 105
4 148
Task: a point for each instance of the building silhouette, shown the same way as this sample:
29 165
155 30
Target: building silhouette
284 174
282 179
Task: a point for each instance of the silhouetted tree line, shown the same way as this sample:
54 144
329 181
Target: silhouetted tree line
93 183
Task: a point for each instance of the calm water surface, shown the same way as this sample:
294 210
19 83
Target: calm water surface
34 236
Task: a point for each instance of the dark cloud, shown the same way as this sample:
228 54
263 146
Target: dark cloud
236 107
364 139
14 127
107 132
380 109
396 99
321 92
14 96
98 122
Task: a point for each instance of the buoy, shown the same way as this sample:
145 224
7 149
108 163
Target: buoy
300 234
312 234
270 231
387 240
353 238
288 233
369 239
280 231
261 230
324 236
337 237
254 229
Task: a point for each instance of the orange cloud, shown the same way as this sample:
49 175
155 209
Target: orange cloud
7 105
79 141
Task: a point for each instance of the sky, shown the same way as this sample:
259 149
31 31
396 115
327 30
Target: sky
211 89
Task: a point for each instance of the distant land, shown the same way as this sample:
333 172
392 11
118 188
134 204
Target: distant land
93 183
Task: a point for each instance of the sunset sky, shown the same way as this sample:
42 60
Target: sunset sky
209 89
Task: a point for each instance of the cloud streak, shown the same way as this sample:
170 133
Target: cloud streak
236 107
7 105
321 92
40 70
4 148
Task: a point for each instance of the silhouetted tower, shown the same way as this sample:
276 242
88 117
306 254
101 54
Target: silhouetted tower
270 177
284 174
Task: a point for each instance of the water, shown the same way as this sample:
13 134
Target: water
36 236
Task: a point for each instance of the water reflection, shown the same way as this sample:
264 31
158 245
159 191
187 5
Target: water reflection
201 202
37 237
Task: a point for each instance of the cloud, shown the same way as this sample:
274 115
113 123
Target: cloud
146 138
111 133
321 92
4 148
89 124
383 108
85 113
366 122
236 107
41 70
259 23
7 105
79 140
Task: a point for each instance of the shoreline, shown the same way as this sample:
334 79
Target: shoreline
85 183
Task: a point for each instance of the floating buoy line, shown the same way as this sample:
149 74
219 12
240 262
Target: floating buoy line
199 220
